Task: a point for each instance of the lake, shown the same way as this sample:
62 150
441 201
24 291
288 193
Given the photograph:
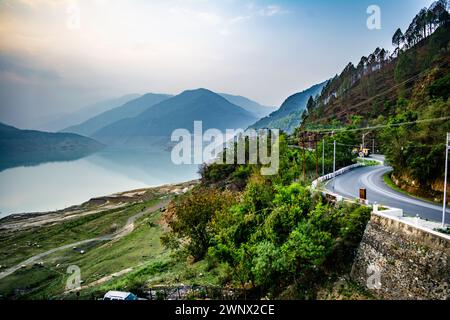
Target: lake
58 185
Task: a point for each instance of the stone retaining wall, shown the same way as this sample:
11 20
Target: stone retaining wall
397 260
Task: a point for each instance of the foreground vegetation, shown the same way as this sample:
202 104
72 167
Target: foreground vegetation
271 233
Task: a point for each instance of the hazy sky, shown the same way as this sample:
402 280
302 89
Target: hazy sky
57 56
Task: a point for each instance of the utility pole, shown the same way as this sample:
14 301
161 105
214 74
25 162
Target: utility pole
317 158
334 157
373 146
363 145
304 156
444 207
323 157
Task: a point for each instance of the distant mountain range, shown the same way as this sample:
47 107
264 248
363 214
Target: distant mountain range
128 110
156 124
288 117
30 147
132 121
85 113
259 111
137 106
149 120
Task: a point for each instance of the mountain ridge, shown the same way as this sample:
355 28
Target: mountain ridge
288 116
252 106
85 113
31 147
128 110
178 112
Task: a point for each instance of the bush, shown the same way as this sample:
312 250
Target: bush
440 88
291 240
190 217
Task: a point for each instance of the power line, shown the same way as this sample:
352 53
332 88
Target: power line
383 93
347 145
423 73
380 126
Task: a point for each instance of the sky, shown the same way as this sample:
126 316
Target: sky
56 56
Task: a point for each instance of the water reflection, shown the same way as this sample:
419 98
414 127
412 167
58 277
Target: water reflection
57 185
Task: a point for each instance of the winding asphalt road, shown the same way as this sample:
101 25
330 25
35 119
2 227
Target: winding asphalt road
125 230
371 178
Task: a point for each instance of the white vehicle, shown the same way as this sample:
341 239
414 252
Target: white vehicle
118 295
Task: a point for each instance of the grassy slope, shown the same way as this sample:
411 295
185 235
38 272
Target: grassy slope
141 250
100 258
18 246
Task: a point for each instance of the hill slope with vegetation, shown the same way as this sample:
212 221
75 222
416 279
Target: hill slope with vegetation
402 97
30 147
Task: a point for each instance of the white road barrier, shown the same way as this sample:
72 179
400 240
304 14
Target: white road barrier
333 175
388 212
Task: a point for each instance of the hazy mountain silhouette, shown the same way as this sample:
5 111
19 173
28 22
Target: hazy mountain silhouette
128 110
156 124
288 117
31 147
258 110
85 113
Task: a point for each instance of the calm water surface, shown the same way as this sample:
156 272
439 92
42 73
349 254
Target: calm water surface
58 185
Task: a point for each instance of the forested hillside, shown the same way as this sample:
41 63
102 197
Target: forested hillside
402 97
30 147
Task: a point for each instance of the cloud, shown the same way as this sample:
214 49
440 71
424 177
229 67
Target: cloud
254 11
270 11
239 19
19 70
204 16
265 11
37 3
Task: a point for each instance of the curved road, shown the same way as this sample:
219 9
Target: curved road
125 230
371 178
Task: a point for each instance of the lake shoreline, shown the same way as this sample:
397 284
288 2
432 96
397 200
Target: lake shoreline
17 221
54 186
